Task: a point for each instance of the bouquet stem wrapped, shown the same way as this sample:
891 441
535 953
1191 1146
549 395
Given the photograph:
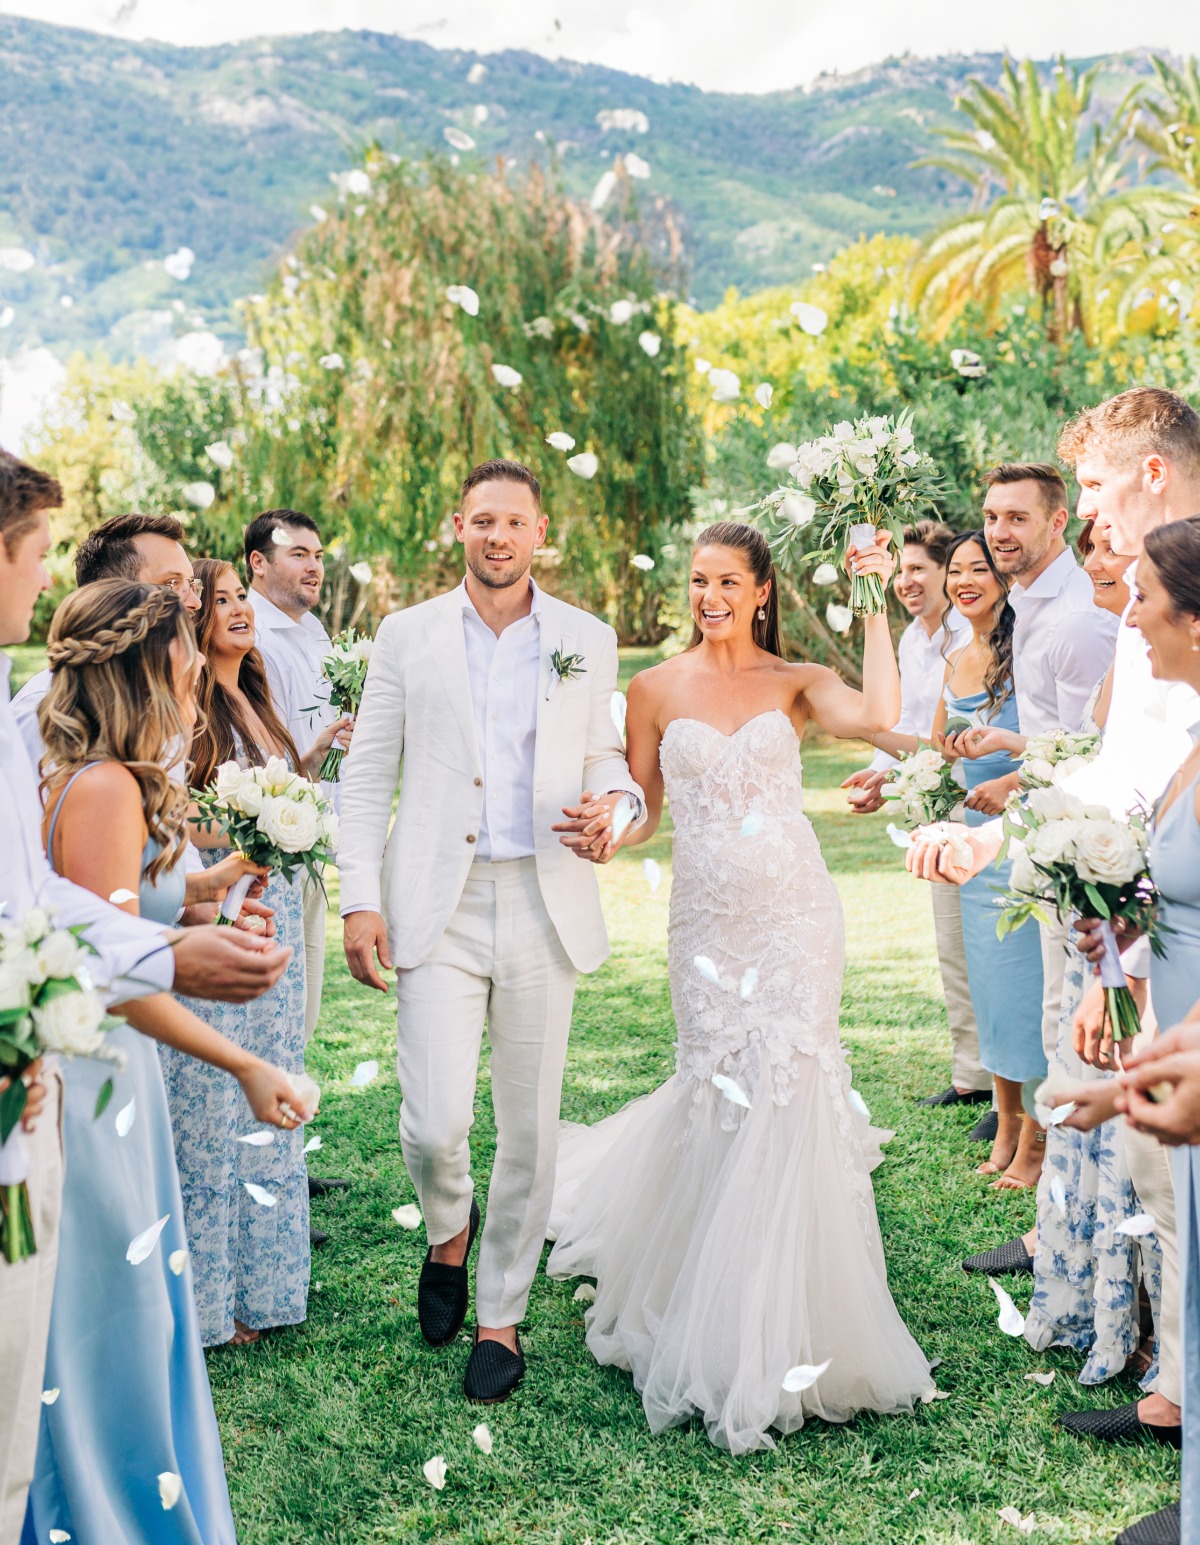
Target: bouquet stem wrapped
345 669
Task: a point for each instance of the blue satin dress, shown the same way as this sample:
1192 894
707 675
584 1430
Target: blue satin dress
1005 975
125 1352
1174 990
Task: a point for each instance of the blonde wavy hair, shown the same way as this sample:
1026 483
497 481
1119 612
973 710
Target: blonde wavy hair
112 697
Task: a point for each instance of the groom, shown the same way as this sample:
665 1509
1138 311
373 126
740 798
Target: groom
495 702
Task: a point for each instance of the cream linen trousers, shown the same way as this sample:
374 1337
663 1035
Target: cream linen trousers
315 908
26 1291
499 961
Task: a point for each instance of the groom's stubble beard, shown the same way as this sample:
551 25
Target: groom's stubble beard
498 579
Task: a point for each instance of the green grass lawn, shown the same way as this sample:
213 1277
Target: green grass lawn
326 1427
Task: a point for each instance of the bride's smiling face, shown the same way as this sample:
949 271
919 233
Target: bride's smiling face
724 597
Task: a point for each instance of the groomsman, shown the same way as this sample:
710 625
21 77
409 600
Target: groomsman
285 569
934 633
133 959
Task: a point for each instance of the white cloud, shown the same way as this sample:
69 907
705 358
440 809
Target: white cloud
772 46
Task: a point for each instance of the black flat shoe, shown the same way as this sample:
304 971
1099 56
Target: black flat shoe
953 1096
1012 1257
984 1131
319 1187
493 1372
315 1238
443 1292
1162 1528
1123 1425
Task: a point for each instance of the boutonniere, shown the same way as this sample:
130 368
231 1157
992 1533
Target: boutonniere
564 667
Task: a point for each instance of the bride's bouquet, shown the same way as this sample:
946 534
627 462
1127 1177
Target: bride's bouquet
1051 758
274 817
924 788
857 478
345 669
47 1004
1082 861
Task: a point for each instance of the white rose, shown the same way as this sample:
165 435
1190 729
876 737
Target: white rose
329 828
276 775
1055 804
289 824
14 987
362 650
229 780
58 955
1038 768
1106 851
35 925
1051 843
1068 765
250 796
927 778
70 1023
1023 877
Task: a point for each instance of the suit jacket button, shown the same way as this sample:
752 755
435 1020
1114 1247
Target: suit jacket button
479 783
471 839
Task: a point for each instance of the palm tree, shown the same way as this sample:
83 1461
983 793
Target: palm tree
1052 207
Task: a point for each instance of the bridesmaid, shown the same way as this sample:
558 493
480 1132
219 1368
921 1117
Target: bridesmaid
124 1338
1005 975
250 1257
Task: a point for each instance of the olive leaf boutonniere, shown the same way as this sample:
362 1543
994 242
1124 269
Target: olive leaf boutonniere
564 667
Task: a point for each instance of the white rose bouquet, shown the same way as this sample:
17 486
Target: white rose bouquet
857 478
47 1004
924 788
345 669
272 815
1051 758
1081 860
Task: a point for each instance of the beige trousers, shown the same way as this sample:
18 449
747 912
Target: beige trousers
1150 1170
1054 970
967 1072
315 907
26 1291
499 961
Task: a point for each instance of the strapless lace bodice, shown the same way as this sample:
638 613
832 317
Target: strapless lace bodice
749 776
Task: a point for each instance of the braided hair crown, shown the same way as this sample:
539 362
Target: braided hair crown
128 631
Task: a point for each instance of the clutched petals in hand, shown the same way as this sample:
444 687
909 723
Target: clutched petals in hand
803 1376
143 1245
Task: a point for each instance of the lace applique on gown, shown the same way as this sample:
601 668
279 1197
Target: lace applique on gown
731 1243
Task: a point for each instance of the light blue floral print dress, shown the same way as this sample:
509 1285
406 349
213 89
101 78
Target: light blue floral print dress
1086 1275
250 1259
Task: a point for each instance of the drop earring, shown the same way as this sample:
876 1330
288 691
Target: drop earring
762 617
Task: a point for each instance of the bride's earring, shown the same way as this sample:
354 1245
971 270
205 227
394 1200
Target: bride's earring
762 617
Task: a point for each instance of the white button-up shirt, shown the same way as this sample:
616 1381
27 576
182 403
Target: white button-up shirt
1062 645
504 672
292 653
134 958
922 671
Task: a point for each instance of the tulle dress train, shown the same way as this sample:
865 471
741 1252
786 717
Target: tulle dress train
728 1217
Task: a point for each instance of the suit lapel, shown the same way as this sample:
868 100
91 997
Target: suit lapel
450 657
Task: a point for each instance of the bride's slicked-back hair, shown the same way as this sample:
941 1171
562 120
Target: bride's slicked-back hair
750 542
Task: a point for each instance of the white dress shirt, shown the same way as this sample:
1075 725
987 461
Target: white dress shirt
134 958
293 652
1062 645
922 671
504 671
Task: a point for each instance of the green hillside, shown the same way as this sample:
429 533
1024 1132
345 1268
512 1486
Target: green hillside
114 154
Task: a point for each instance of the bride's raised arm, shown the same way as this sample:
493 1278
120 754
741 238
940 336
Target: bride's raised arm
841 710
642 741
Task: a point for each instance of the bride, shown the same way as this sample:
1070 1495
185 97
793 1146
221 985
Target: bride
728 1218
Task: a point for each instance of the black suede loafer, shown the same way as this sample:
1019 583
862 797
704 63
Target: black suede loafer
984 1130
1162 1528
443 1293
953 1096
319 1187
493 1372
1012 1257
1123 1425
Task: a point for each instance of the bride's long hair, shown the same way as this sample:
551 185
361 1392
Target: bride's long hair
749 541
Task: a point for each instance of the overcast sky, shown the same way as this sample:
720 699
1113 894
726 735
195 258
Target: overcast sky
760 46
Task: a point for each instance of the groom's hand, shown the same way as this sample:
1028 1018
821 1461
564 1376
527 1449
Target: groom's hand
363 938
588 829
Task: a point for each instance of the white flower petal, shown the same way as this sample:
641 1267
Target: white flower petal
200 495
763 393
308 1091
332 362
1044 1379
1060 1113
900 838
914 1494
749 981
585 1293
463 295
458 139
16 260
652 873
479 115
602 192
360 573
258 1139
1137 1226
318 213
706 968
124 1118
811 318
620 312
434 1471
1058 1193
1012 1515
622 817
482 1438
781 456
505 375
804 1376
839 618
629 119
170 1489
407 1217
585 465
650 343
177 1260
731 1089
857 1103
143 1245
561 441
220 453
476 73
825 574
58 1537
49 1396
798 509
178 265
703 366
753 823
259 1194
8 316
364 1073
312 1145
1011 1321
642 561
725 384
635 166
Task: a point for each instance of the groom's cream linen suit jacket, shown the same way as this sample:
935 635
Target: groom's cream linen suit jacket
416 729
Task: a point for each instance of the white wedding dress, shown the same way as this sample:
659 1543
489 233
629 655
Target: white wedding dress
730 1244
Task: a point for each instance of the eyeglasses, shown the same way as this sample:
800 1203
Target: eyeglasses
182 586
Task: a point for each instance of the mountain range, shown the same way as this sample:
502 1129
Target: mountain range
116 155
